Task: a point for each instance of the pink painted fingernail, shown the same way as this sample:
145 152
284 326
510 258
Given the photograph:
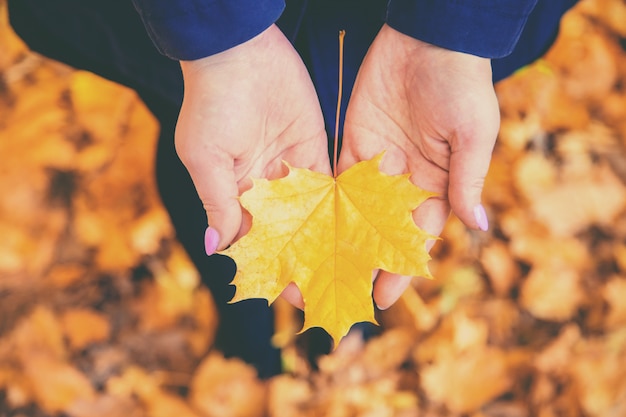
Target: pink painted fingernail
481 218
211 240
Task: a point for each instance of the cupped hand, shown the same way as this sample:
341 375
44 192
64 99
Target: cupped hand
435 113
246 110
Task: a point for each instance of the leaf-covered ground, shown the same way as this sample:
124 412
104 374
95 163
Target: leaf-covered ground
101 313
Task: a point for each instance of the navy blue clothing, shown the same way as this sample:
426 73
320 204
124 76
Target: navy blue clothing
108 38
485 28
192 29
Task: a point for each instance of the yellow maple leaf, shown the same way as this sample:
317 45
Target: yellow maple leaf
327 235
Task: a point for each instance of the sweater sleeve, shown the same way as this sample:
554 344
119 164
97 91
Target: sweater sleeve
487 28
192 29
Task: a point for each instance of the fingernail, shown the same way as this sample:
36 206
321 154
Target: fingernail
211 240
481 218
382 307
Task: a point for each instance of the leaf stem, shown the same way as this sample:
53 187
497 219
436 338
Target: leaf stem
342 33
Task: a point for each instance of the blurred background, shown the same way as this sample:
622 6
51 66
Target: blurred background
102 313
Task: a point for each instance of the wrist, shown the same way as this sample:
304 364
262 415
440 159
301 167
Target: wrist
418 54
238 54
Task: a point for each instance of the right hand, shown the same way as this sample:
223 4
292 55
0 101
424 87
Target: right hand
435 113
245 111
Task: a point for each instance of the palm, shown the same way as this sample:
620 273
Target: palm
245 111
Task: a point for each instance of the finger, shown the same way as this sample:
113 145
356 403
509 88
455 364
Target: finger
469 163
470 156
292 294
214 179
388 288
310 154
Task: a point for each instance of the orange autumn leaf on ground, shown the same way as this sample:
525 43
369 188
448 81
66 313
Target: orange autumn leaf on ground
327 235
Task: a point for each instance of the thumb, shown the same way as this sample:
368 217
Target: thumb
214 179
469 163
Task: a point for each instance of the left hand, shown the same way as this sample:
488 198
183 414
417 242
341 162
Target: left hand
435 113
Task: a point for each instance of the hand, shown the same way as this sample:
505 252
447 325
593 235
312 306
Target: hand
245 111
435 113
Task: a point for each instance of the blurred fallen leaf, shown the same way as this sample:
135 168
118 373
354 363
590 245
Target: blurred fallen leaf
557 356
613 13
600 379
39 332
466 381
57 385
614 293
134 381
288 397
574 206
227 388
501 269
105 406
588 61
83 327
552 292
